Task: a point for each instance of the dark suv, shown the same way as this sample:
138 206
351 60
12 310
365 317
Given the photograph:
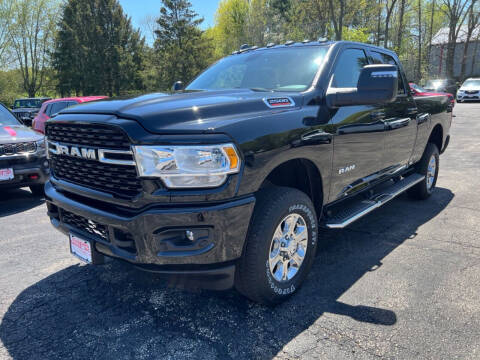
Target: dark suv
26 109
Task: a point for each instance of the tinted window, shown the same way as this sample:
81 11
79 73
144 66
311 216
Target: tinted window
348 68
6 117
282 69
58 106
27 103
379 58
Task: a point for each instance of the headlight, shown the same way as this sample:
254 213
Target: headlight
41 148
188 166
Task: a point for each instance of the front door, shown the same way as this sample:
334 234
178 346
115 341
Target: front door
358 132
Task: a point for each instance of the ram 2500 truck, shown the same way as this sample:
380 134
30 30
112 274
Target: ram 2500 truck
227 182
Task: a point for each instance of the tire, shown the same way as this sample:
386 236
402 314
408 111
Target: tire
276 207
424 189
37 190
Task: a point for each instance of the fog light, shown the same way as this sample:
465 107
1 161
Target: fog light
190 236
33 177
45 164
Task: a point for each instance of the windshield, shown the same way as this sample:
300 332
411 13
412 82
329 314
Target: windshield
418 88
282 69
471 83
27 103
433 84
6 117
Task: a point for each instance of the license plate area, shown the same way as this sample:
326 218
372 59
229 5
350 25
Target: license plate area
6 174
81 248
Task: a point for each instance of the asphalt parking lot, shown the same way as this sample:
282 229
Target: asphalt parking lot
402 283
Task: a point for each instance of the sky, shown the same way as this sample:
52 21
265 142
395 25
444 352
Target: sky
138 10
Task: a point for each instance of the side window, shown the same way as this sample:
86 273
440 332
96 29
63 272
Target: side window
348 68
379 58
48 110
58 106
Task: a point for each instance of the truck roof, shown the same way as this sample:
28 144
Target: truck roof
320 42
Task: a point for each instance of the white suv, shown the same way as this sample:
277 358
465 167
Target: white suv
470 90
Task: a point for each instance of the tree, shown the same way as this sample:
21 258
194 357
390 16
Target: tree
5 15
31 32
456 11
97 51
337 14
389 6
231 21
182 51
472 25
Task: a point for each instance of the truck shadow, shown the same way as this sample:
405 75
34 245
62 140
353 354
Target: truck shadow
13 201
115 311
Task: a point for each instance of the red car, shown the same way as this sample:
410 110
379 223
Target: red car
51 107
419 91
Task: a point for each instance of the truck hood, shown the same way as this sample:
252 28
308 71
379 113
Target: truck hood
191 111
17 133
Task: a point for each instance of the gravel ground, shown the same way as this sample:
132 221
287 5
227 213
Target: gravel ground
402 283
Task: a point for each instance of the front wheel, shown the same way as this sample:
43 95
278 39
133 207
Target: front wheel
428 166
280 247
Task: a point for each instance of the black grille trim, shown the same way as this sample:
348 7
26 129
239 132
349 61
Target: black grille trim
117 180
88 135
17 148
83 224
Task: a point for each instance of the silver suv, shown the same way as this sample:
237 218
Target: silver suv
470 90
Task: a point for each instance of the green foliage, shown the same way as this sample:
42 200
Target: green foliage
30 32
11 86
97 51
181 48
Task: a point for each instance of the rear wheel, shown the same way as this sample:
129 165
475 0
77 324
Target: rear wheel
37 190
280 246
428 166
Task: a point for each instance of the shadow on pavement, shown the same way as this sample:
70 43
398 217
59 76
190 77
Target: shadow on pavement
115 311
13 201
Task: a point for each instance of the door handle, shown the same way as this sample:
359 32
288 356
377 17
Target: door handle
423 118
399 123
377 115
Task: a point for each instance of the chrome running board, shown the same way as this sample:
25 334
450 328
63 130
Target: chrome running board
359 209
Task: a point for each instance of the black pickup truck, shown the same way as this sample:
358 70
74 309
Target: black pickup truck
227 182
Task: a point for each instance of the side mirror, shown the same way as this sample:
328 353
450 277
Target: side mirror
177 86
377 84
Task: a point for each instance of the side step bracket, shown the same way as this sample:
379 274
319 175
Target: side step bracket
359 209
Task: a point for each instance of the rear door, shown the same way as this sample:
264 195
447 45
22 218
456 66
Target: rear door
358 131
400 119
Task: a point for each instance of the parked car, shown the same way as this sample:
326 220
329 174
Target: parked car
52 107
470 90
26 109
23 159
442 85
227 182
419 91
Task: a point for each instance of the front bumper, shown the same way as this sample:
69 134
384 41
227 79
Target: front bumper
155 238
468 97
27 171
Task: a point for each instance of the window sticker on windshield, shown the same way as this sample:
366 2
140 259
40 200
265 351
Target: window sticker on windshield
278 102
